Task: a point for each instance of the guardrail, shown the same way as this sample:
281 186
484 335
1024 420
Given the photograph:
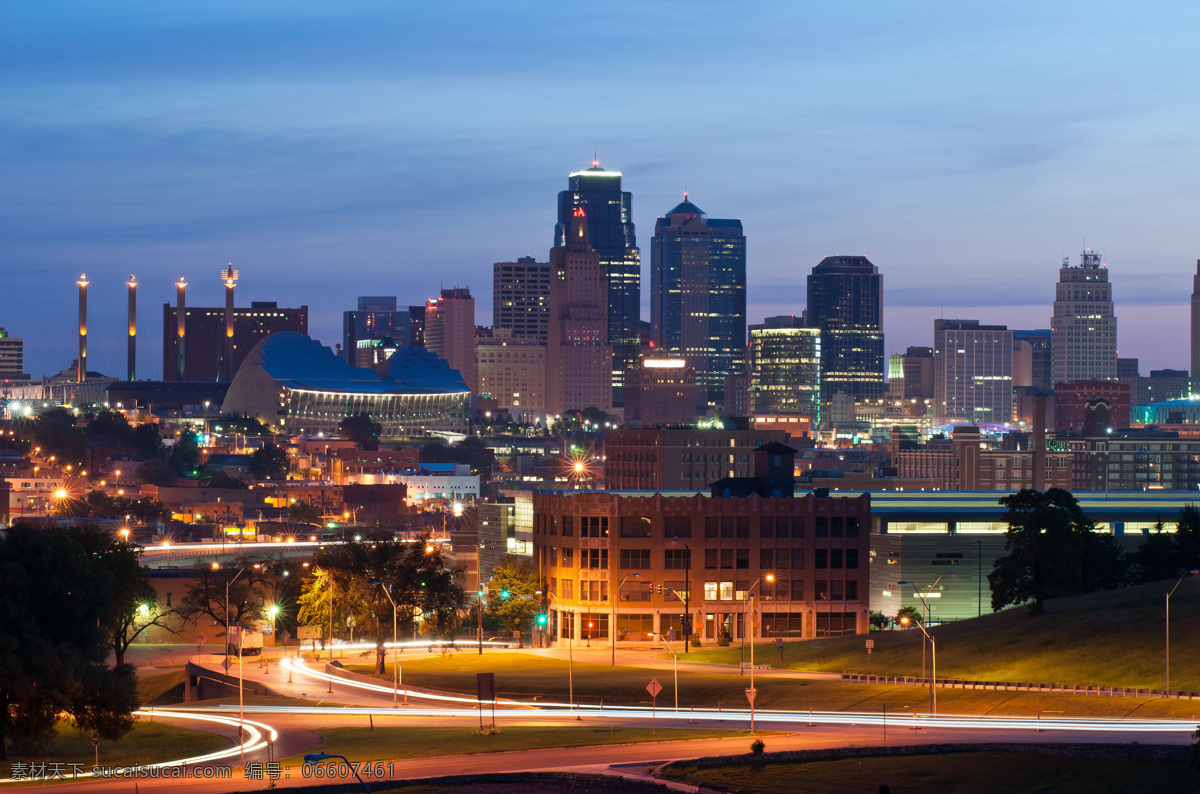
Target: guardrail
1011 686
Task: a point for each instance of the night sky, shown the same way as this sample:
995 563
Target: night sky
380 148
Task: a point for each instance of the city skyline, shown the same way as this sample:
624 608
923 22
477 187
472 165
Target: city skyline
964 151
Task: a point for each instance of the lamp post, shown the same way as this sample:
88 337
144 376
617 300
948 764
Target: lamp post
395 645
1186 574
686 626
926 613
570 651
674 653
933 676
479 612
750 594
612 629
228 645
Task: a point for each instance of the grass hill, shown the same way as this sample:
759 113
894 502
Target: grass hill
1110 638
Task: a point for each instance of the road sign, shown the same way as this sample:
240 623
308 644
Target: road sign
779 644
870 644
308 632
750 695
654 687
95 739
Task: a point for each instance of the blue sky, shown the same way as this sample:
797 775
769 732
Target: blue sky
335 150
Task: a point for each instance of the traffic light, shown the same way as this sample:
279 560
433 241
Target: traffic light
541 619
480 593
504 594
660 589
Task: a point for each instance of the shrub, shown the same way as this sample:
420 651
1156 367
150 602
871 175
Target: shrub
757 746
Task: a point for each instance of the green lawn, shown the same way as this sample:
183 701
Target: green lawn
156 685
528 677
147 743
1111 638
979 773
397 744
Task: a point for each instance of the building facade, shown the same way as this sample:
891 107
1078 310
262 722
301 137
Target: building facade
377 319
521 298
204 339
450 331
1032 348
608 212
967 464
579 358
785 368
916 366
12 357
662 391
972 371
512 371
1071 402
649 560
698 295
680 458
845 302
1083 344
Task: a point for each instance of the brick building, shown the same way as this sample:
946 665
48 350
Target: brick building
681 458
1071 400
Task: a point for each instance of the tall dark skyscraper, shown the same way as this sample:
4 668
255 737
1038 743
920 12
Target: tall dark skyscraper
375 320
609 213
845 301
698 295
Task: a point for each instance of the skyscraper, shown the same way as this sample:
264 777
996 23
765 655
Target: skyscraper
12 357
1083 330
609 214
521 298
698 295
1195 373
450 331
579 357
785 368
972 371
197 338
845 301
375 320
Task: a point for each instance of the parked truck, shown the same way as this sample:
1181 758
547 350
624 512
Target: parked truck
244 641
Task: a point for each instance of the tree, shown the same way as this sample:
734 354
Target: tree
1157 557
912 613
1048 541
1187 538
185 454
415 573
135 605
267 461
512 592
361 429
110 423
304 513
879 621
205 597
57 602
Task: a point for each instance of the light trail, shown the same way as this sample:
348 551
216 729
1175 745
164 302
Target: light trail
899 719
254 740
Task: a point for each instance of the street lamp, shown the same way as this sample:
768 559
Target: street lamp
674 653
570 651
395 645
904 621
686 626
228 646
927 615
750 594
612 629
752 691
1186 574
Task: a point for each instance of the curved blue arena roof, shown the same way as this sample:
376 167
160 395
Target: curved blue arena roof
300 362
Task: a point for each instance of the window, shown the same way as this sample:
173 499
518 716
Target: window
766 527
797 589
766 559
835 559
726 591
635 559
553 525
710 526
797 526
852 526
836 590
554 555
593 527
743 559
781 526
677 527
822 592
838 526
710 559
726 558
675 559
852 558
851 589
635 527
710 591
781 559
822 559
554 585
568 526
743 526
568 558
727 526
822 527
568 589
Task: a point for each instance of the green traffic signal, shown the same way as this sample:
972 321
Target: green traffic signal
504 594
541 619
480 593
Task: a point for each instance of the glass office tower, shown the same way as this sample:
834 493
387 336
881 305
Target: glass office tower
609 213
845 301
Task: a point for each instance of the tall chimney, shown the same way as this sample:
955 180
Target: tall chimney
180 315
131 353
1039 442
229 276
81 362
